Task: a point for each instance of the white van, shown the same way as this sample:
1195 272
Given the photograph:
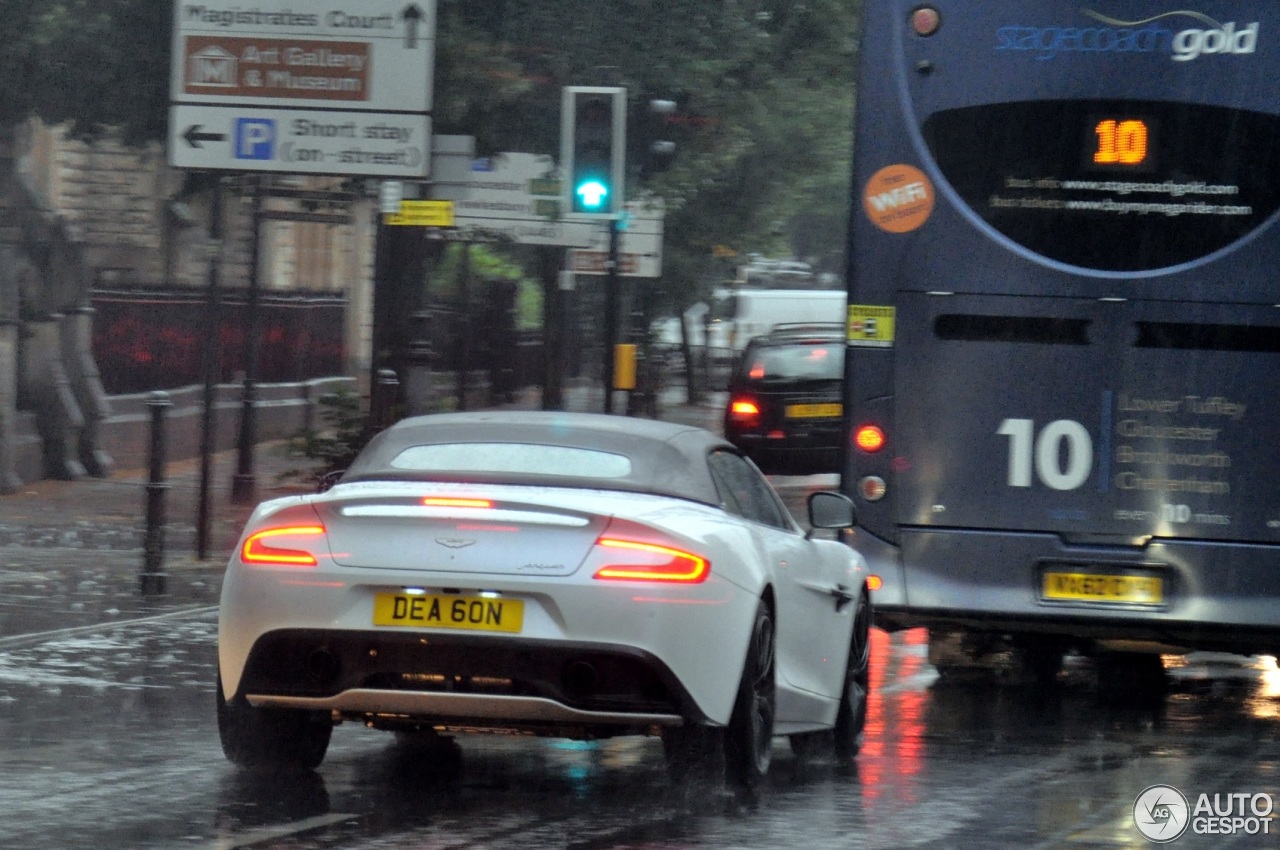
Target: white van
752 312
735 316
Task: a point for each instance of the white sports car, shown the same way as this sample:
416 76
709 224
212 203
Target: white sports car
562 574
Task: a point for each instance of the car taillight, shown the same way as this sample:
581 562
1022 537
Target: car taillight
282 546
744 410
869 438
631 552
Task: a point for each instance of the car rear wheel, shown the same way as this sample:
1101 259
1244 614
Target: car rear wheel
749 736
271 738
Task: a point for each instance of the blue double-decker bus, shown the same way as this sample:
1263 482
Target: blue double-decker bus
1063 371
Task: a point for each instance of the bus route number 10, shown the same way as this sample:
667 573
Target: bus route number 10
1061 454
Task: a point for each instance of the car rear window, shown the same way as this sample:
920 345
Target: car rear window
514 458
796 362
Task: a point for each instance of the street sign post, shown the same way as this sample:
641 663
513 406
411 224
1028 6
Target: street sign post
321 89
374 55
255 138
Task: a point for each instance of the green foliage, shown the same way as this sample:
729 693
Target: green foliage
487 264
334 445
95 63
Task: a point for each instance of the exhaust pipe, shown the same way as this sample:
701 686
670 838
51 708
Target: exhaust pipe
580 679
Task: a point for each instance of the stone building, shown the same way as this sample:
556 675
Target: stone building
80 221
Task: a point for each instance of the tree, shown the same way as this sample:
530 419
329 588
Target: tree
94 63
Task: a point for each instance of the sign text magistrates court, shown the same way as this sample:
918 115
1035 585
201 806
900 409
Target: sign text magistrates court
319 87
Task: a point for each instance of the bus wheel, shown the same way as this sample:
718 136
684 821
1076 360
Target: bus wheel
1131 679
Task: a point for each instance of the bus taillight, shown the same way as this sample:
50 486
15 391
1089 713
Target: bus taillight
869 438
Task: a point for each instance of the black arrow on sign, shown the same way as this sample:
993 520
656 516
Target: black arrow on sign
194 137
411 14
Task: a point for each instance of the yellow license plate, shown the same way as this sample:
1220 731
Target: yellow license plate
449 611
1095 587
813 411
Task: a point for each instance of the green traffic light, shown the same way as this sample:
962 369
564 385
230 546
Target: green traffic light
592 194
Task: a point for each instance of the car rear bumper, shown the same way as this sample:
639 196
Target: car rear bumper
662 649
465 679
1216 596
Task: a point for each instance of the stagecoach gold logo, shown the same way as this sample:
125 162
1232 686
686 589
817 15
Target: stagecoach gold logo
1148 35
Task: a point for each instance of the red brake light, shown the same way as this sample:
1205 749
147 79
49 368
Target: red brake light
632 560
743 410
257 549
756 372
869 438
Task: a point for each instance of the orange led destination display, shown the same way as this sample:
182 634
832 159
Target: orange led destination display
1121 142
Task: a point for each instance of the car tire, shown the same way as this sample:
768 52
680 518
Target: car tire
851 716
271 739
749 736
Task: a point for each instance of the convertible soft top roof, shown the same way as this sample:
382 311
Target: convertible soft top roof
666 458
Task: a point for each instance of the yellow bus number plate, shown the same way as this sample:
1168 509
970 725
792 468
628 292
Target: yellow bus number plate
813 411
1094 587
473 613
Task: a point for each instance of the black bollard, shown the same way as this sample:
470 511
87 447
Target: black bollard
152 579
388 390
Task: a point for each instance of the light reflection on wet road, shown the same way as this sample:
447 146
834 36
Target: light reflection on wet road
110 743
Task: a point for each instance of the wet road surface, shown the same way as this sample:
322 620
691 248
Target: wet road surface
106 714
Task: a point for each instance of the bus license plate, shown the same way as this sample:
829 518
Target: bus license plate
813 411
473 613
1101 587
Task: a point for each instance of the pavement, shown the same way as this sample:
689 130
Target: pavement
71 552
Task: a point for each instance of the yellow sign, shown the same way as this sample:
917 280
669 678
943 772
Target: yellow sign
422 214
870 325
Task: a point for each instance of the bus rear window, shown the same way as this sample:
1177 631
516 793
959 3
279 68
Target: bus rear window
1112 185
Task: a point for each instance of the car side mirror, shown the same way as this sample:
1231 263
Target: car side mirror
829 509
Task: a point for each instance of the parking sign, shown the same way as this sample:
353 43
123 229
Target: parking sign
255 138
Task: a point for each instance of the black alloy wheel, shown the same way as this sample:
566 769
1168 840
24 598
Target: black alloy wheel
749 736
271 739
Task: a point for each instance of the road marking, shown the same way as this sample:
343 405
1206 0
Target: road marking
267 833
55 634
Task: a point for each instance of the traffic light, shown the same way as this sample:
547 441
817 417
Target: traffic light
593 149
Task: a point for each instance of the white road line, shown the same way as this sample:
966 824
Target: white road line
55 634
267 833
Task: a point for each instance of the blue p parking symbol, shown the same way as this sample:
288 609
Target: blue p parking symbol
255 138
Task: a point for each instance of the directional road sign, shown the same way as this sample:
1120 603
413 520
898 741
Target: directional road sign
371 55
249 138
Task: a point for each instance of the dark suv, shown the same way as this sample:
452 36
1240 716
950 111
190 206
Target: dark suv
784 408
